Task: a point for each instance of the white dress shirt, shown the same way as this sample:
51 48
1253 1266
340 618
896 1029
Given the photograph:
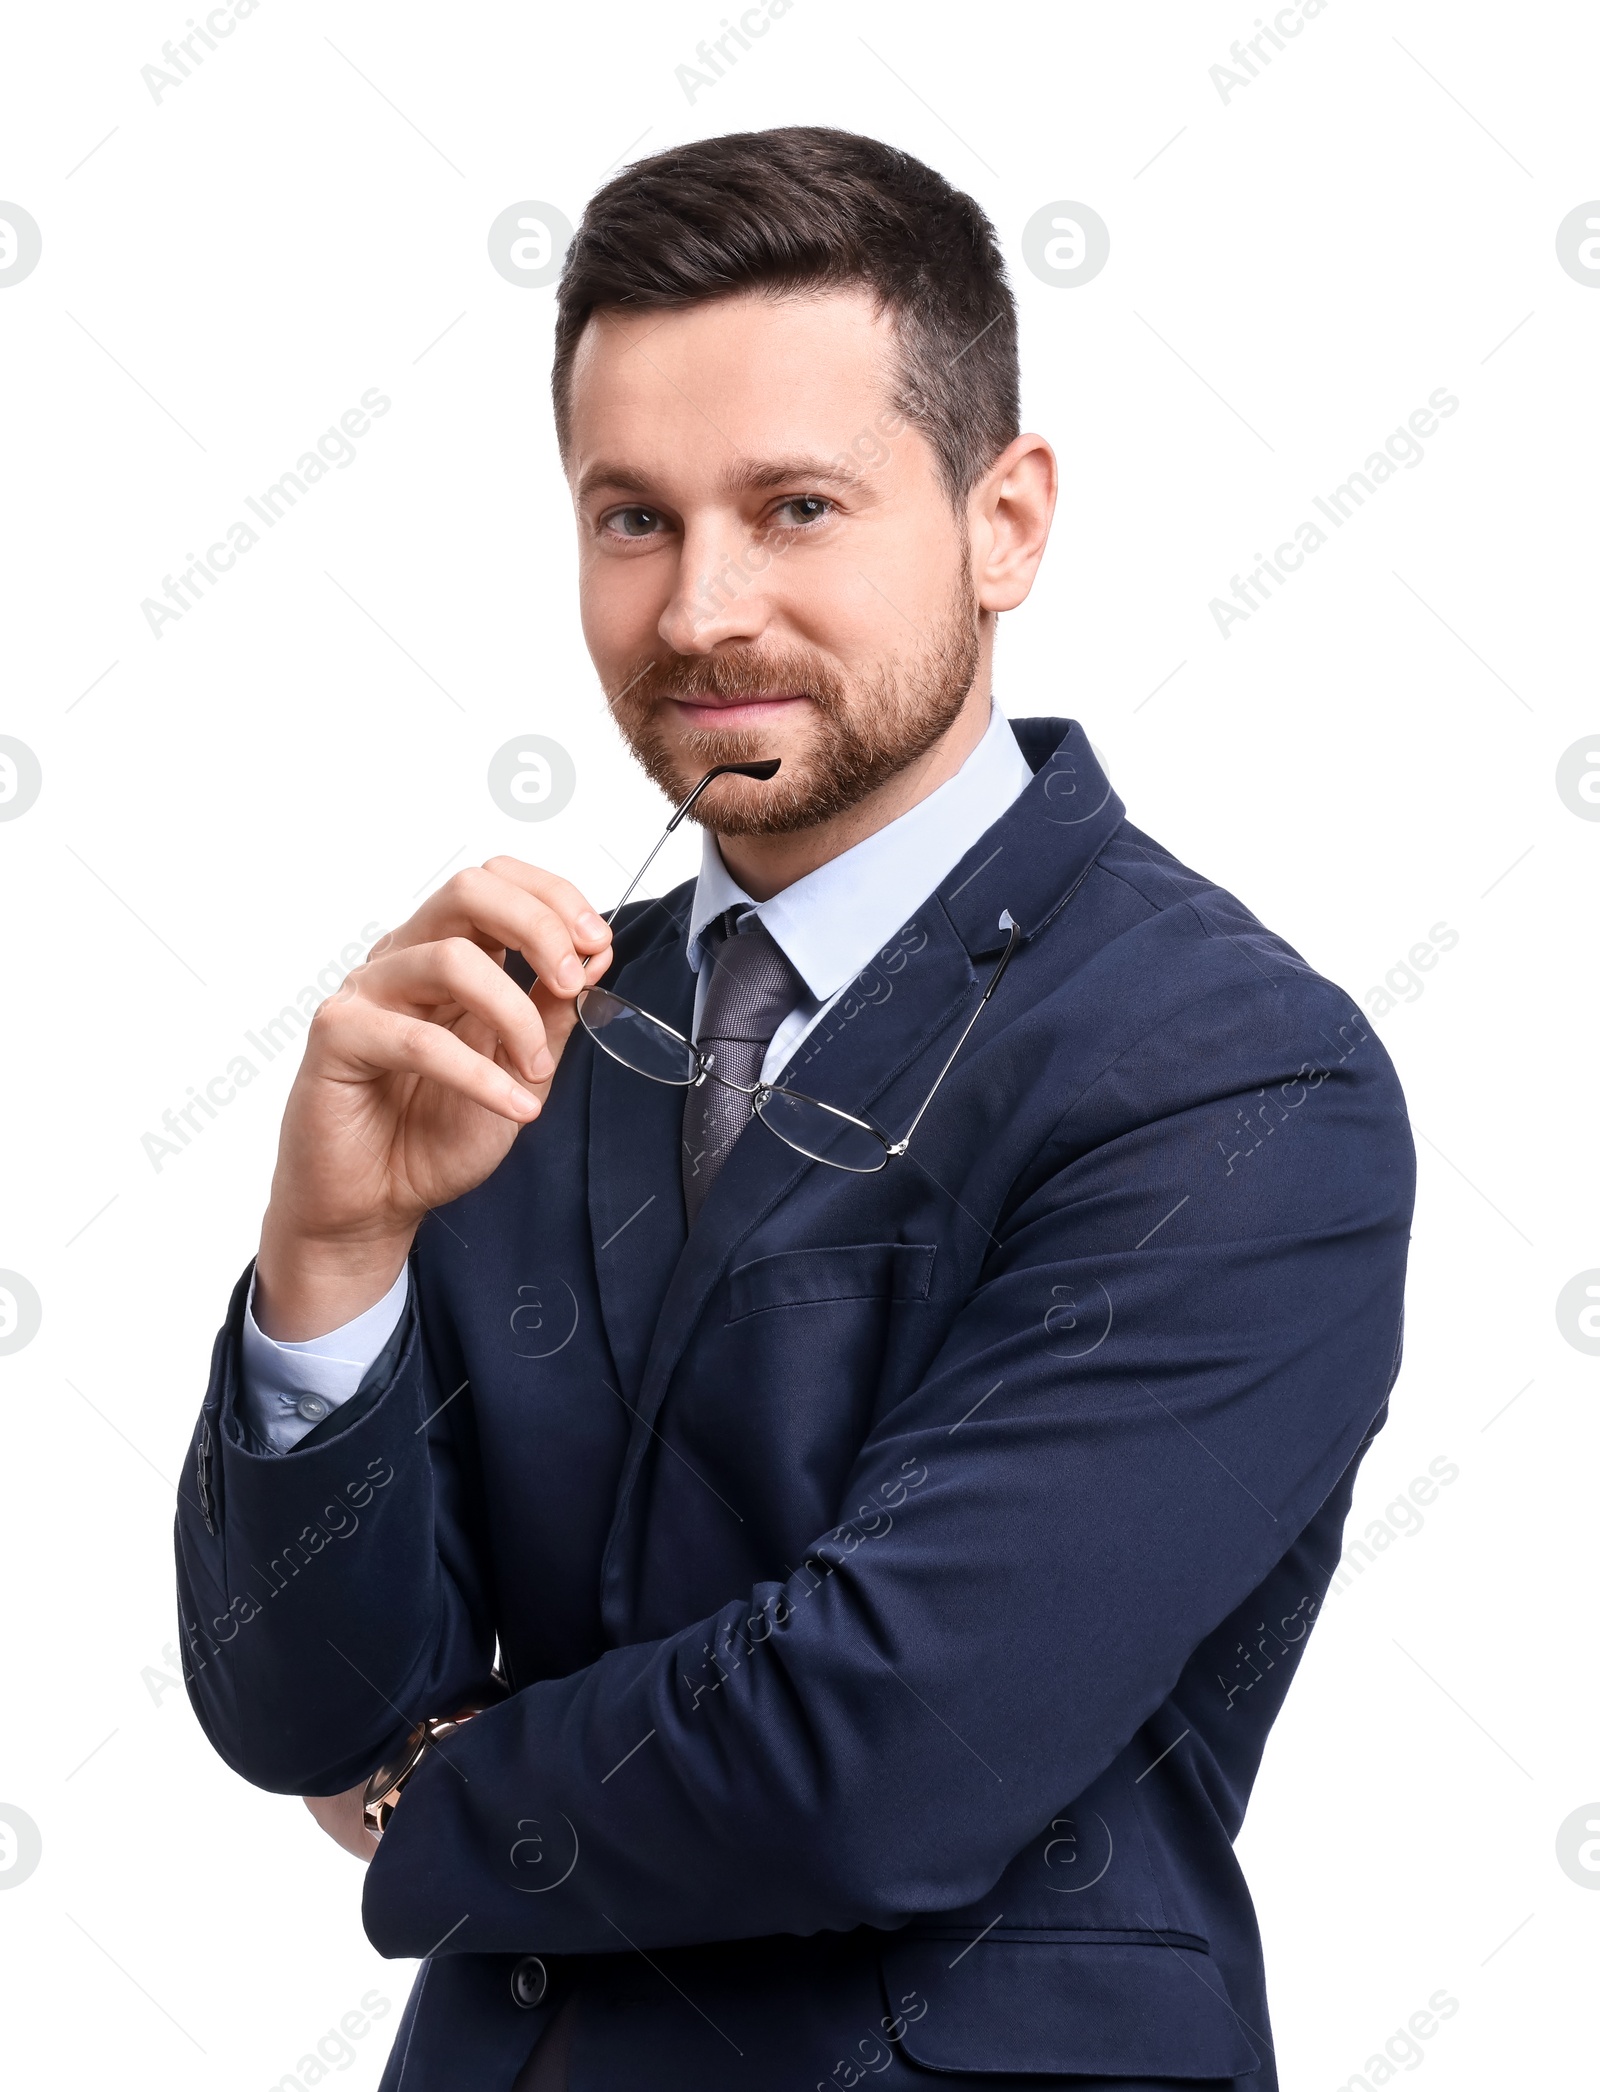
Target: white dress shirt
829 926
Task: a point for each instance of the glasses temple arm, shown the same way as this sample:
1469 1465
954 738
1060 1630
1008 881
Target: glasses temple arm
615 909
1009 920
761 771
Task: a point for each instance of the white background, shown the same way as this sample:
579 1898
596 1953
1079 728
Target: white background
1291 273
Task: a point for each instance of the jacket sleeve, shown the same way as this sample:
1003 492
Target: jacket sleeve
1187 1323
328 1596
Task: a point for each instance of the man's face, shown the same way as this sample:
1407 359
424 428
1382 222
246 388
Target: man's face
769 561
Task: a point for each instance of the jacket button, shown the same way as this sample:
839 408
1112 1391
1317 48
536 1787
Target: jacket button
529 1983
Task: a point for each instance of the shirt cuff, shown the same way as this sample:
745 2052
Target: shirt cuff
288 1389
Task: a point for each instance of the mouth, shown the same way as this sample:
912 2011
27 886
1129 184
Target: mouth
708 713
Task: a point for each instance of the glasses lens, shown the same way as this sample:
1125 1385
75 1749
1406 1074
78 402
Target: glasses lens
635 1038
822 1133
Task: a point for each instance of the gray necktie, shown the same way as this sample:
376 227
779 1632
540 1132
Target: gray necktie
751 990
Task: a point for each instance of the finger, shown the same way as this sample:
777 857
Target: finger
590 930
585 936
535 913
490 893
441 981
370 1040
559 1011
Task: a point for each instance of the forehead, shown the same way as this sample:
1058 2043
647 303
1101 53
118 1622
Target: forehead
751 375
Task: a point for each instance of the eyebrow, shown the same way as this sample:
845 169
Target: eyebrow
617 479
757 475
747 476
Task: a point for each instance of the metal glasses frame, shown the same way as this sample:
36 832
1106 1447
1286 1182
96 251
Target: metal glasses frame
761 1093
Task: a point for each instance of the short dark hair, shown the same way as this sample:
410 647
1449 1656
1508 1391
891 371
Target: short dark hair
808 208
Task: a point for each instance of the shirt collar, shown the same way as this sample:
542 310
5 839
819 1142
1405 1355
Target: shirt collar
829 924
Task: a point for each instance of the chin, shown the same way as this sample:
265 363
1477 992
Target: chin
692 752
739 806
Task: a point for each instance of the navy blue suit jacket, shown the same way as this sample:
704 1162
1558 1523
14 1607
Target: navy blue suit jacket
896 1578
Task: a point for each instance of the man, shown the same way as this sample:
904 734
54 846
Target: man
878 1538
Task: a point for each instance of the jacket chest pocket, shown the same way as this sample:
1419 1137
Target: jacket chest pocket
782 1382
845 1271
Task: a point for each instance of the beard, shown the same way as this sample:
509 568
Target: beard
866 728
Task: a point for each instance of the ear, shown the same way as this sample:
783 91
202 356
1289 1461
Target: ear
1008 518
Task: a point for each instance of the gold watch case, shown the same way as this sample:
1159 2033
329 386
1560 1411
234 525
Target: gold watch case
388 1783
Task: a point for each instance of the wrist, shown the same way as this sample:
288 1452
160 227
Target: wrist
305 1288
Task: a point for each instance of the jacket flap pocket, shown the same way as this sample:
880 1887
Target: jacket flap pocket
1133 2008
842 1271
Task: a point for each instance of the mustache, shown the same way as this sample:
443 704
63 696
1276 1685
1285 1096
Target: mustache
788 673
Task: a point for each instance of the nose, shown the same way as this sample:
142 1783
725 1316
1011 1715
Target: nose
719 595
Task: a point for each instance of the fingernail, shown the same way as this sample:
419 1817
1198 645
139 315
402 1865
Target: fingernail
570 972
589 924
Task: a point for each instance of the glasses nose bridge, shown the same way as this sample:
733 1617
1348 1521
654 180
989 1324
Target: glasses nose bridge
755 1091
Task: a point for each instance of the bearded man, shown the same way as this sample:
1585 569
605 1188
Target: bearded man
800 1430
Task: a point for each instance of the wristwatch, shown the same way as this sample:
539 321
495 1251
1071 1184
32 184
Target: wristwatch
388 1783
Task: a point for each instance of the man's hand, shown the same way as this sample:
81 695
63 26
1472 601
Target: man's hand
417 1074
340 1816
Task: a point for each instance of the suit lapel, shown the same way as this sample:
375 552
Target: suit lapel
636 1214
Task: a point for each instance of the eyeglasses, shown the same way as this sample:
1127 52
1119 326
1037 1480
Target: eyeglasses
821 1132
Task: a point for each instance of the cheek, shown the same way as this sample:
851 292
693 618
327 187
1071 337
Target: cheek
620 602
875 594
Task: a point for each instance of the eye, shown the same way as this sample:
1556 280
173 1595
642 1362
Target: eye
633 523
802 510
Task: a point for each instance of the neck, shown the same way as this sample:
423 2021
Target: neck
766 864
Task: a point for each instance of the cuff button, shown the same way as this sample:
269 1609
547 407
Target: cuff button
529 1983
